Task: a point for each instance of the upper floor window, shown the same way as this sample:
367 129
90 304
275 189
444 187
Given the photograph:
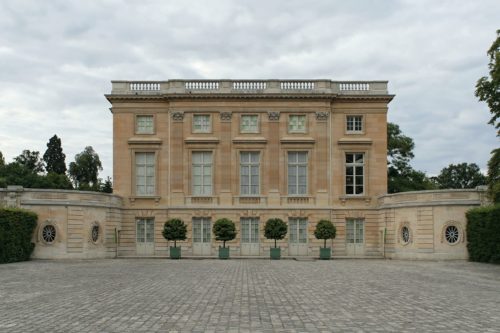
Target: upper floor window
145 174
354 124
144 125
249 123
354 173
249 173
201 123
297 124
202 173
297 173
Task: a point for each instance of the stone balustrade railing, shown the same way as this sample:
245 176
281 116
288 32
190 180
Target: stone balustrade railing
249 86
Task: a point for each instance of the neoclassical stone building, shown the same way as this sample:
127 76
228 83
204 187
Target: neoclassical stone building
250 150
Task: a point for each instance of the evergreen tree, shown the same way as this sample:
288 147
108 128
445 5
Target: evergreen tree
54 156
107 186
2 160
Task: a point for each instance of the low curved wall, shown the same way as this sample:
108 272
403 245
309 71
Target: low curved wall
85 223
428 224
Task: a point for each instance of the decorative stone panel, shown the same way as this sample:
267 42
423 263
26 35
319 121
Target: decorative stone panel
225 116
322 116
178 116
273 115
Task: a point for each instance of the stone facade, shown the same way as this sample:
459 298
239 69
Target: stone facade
301 151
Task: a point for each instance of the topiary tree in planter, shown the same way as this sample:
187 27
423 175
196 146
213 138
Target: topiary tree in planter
224 230
325 230
275 229
174 230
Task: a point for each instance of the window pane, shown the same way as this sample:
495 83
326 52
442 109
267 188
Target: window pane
349 158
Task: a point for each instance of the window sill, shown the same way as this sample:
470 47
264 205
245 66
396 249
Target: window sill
144 140
201 140
156 198
304 139
364 198
255 139
355 141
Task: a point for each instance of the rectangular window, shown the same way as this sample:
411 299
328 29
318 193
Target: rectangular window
201 123
297 124
144 125
354 124
249 124
249 173
145 174
354 173
297 173
202 173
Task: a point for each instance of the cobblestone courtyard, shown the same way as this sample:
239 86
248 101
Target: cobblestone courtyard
153 295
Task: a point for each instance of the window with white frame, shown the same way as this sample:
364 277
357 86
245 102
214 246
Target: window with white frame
354 124
201 123
249 173
249 123
297 173
144 174
297 123
144 125
354 173
202 172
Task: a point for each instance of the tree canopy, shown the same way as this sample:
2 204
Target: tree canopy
30 160
462 175
54 157
2 159
488 88
85 169
494 176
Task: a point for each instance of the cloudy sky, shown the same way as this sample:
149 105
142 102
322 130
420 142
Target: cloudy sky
57 59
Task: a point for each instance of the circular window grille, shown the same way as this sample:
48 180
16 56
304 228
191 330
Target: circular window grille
451 234
405 234
49 233
95 233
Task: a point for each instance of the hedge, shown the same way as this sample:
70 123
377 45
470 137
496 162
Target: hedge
16 231
483 234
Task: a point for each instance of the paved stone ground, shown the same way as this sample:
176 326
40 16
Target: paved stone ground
152 295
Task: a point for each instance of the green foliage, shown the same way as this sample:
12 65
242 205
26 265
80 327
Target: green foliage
488 88
107 186
494 176
483 234
224 230
401 177
16 231
17 174
174 229
459 176
2 160
325 230
54 157
31 161
85 169
275 229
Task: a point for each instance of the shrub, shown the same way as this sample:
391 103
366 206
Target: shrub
174 229
483 234
325 230
16 231
275 229
224 230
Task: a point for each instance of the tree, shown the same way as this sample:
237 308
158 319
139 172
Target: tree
54 157
494 176
488 88
107 186
224 230
275 229
401 177
462 175
31 160
174 229
325 230
2 160
18 174
85 169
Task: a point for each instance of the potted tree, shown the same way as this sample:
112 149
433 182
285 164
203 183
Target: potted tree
325 230
275 229
174 229
224 230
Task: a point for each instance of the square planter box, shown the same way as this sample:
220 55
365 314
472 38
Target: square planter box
275 253
223 252
325 253
175 252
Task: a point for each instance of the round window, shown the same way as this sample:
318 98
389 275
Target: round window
95 233
405 235
451 234
49 233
